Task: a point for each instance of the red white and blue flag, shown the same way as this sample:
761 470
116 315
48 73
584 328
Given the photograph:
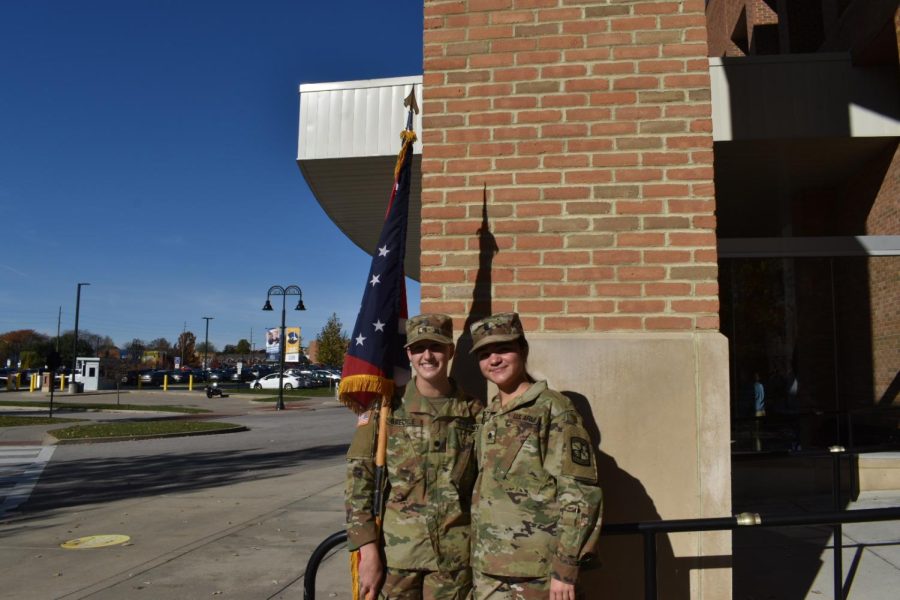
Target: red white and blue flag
376 361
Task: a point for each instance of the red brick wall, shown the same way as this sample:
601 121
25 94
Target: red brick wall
723 16
586 126
884 219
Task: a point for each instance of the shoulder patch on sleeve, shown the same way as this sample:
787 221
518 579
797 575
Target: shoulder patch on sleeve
363 419
579 460
580 450
363 443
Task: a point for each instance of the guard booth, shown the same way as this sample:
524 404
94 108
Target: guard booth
87 373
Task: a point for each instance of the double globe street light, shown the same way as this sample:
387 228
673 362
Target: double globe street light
277 290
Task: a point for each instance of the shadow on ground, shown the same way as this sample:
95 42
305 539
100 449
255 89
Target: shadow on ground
90 481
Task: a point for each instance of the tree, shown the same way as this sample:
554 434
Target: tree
243 347
207 347
13 343
31 359
332 341
135 350
161 344
106 346
66 341
184 348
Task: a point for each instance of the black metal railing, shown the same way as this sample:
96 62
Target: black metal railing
312 566
649 530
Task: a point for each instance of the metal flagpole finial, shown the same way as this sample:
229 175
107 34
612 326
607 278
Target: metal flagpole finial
410 101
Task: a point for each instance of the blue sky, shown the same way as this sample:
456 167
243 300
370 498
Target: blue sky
148 147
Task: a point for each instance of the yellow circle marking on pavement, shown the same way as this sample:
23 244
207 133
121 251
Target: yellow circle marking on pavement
95 541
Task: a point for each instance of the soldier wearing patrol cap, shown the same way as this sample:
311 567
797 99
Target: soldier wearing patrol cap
430 474
537 502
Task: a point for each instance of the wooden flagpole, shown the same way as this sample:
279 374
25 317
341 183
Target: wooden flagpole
384 413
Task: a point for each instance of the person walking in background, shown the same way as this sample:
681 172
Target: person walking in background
759 396
537 503
430 474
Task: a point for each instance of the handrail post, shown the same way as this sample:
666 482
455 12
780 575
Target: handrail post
837 528
312 566
649 565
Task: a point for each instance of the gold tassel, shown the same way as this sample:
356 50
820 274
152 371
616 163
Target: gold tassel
408 138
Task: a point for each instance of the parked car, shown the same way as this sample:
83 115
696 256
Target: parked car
315 380
260 370
244 375
179 376
305 382
216 375
328 375
270 382
129 377
154 377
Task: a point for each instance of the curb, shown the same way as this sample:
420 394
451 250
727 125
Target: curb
50 439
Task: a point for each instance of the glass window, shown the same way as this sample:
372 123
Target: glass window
814 350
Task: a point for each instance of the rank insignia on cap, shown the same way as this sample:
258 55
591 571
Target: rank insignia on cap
581 451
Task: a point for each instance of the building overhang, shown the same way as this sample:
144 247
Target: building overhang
796 96
348 143
827 115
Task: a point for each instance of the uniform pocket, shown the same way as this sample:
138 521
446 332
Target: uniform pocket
516 443
405 465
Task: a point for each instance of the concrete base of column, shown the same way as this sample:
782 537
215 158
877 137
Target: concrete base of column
659 405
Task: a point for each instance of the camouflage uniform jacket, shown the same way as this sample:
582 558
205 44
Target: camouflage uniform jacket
537 503
430 471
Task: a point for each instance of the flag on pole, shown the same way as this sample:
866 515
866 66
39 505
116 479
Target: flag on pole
376 360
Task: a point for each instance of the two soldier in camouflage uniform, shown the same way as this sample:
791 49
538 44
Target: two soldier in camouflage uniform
430 474
537 501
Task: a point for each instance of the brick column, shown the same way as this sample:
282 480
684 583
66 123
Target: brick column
580 134
590 125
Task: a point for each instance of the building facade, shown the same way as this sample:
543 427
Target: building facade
681 199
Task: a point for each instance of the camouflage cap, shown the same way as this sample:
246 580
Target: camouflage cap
502 327
432 326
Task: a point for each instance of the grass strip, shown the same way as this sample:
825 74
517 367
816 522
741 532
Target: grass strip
104 406
135 429
11 421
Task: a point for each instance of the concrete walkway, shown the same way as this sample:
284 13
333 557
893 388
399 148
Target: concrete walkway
245 541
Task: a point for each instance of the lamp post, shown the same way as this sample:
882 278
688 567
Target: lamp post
206 344
73 386
277 290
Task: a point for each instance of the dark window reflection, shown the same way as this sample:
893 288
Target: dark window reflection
814 351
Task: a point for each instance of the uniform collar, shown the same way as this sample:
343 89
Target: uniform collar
528 397
414 402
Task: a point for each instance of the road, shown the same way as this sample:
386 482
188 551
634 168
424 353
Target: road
231 515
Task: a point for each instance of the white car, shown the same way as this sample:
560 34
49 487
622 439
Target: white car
270 382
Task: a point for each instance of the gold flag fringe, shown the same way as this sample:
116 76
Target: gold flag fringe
363 383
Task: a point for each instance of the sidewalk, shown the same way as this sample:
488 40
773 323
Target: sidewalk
252 540
246 540
238 541
798 562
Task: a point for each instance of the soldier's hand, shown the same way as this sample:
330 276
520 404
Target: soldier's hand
561 591
371 571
